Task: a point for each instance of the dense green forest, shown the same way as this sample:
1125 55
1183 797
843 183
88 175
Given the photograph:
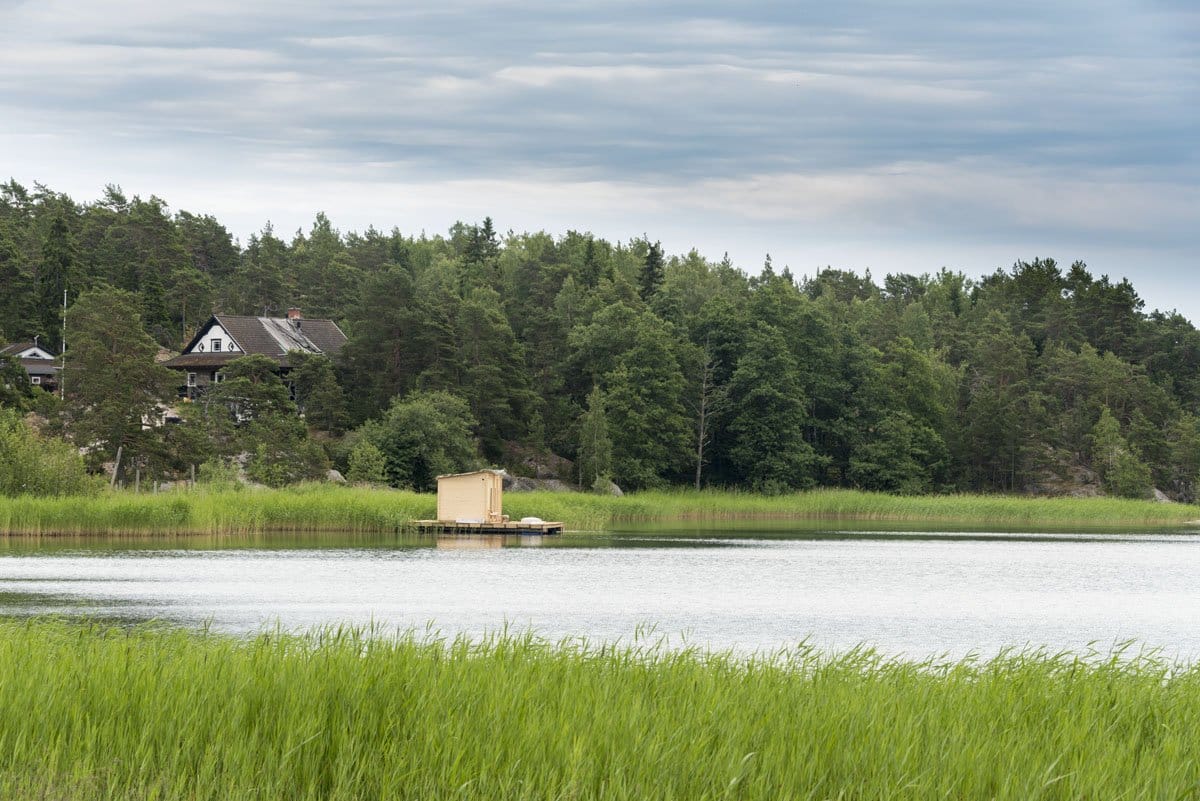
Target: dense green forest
601 359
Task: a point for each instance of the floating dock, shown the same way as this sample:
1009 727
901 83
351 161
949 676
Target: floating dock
472 528
470 504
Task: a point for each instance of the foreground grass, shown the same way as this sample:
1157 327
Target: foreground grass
320 507
88 713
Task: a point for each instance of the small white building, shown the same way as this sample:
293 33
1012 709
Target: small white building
38 362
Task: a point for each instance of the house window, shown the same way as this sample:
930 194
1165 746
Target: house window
191 379
218 378
216 345
35 379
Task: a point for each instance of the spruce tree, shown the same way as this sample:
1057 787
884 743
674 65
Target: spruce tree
650 277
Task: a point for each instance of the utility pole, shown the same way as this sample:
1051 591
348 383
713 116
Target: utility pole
62 372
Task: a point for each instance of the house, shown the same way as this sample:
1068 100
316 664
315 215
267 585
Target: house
225 337
38 362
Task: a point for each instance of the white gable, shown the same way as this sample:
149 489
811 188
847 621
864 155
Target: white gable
35 353
214 331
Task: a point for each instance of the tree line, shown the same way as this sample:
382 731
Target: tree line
610 360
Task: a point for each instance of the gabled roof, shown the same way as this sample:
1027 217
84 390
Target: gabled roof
20 347
268 336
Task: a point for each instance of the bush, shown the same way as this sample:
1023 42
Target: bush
423 435
367 464
279 465
220 475
34 465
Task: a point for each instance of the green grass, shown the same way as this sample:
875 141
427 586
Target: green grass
319 507
89 713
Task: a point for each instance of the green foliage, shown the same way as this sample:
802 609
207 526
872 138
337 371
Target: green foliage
34 465
207 717
219 474
768 416
367 464
909 383
327 507
251 412
15 390
898 454
1184 464
278 463
650 277
112 380
1121 471
318 396
595 444
423 435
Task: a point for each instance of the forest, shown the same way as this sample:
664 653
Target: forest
593 361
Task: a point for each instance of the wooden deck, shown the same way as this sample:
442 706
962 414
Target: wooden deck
511 527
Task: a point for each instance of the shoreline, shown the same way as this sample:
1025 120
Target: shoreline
320 508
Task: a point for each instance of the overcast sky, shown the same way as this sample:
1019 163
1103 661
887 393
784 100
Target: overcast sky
859 134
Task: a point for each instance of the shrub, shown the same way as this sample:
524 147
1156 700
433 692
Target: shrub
367 463
34 465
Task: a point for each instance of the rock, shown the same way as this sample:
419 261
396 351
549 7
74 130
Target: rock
610 488
524 484
335 476
1160 496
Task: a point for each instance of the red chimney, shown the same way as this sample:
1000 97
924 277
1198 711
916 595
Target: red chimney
293 313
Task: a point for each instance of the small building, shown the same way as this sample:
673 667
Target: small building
471 504
475 497
38 362
226 337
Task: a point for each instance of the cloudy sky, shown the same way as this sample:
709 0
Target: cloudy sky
863 134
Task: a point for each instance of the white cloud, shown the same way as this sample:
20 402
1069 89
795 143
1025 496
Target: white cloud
866 126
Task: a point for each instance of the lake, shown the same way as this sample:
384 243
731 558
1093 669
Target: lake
751 587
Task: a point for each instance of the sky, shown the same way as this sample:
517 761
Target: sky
863 134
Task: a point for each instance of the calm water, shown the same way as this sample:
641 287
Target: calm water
914 593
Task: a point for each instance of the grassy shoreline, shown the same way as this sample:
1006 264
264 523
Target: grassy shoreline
94 713
317 508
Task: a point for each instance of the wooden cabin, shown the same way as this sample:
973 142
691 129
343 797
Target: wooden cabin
472 503
475 497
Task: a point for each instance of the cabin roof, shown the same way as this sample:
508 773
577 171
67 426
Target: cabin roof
473 473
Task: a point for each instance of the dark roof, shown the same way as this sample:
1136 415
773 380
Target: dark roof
39 366
325 334
202 360
273 336
17 347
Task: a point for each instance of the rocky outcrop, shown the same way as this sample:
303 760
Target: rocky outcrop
525 484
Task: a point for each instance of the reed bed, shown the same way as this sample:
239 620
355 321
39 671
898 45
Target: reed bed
321 507
96 713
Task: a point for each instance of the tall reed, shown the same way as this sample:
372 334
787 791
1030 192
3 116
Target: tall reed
320 507
95 713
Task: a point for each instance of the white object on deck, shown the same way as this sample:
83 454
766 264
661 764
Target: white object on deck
532 520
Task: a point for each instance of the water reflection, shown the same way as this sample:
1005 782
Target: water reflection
754 586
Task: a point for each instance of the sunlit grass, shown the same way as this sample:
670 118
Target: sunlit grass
93 713
319 507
